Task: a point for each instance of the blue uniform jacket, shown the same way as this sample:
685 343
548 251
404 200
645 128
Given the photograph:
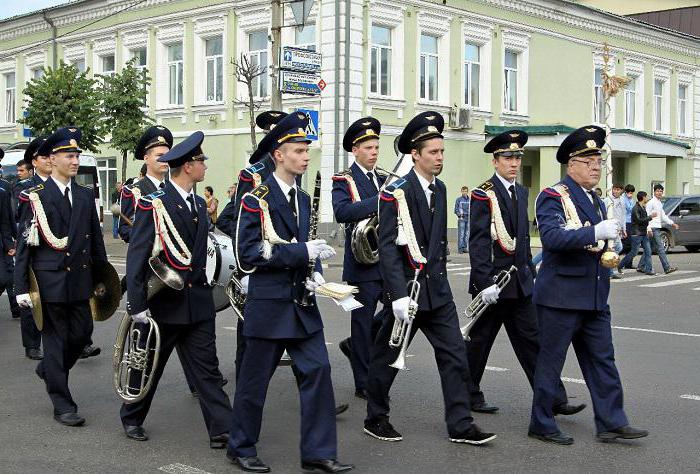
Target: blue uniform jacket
486 255
194 303
8 229
396 266
127 203
271 310
348 212
570 276
65 275
19 204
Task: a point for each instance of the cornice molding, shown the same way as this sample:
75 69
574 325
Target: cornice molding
209 26
430 21
171 33
135 39
386 13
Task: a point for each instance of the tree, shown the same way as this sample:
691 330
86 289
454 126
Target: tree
123 100
64 96
246 72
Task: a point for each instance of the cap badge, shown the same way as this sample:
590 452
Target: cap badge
514 146
161 139
73 143
301 116
72 130
302 131
432 129
160 128
366 124
370 131
514 135
591 130
274 114
591 144
430 117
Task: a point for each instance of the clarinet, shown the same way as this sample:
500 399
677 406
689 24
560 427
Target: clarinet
313 233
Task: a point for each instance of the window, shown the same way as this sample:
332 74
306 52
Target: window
472 70
510 88
175 73
215 69
257 51
380 61
107 65
428 67
141 65
80 64
683 110
631 102
10 93
692 205
37 73
305 38
658 105
107 167
598 97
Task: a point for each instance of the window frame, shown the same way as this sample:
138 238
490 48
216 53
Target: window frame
179 65
306 45
424 86
686 83
507 73
263 81
467 78
390 54
9 98
517 42
218 70
658 102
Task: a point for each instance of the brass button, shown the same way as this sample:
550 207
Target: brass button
190 285
84 266
67 269
84 251
67 254
190 269
87 236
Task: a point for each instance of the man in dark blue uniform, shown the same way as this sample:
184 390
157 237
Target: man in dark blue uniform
413 245
61 242
272 239
355 197
571 293
186 318
9 234
503 201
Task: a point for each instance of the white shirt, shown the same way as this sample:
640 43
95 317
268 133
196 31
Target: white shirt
285 190
364 170
507 184
155 181
424 184
41 177
654 205
618 209
588 195
184 194
62 187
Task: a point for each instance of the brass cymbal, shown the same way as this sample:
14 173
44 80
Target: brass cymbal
106 293
34 295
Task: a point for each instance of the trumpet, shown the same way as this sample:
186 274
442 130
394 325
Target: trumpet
234 291
401 331
477 307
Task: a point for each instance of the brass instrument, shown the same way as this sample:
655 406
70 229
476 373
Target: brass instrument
117 211
234 291
401 331
106 292
477 307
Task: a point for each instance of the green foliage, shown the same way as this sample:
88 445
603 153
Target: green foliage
65 96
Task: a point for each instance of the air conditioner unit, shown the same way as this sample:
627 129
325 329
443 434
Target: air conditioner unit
460 118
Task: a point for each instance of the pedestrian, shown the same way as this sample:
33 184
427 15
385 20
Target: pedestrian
116 194
655 208
462 212
628 202
616 210
212 204
638 236
599 192
231 191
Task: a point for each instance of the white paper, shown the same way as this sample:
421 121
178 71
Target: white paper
348 303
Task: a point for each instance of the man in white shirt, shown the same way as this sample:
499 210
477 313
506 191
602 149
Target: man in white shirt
617 210
654 231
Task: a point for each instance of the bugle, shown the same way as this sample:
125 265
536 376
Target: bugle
477 307
401 331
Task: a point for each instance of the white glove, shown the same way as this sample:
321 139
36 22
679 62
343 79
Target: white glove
314 248
326 252
141 317
244 285
490 294
608 229
24 301
400 308
312 284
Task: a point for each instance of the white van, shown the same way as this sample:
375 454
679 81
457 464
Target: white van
87 173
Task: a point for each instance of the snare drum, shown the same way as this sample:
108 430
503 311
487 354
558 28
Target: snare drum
220 266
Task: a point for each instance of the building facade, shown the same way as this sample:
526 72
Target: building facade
484 64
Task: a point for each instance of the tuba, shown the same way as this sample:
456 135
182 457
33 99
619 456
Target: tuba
234 291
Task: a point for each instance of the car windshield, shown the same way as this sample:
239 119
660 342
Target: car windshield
669 203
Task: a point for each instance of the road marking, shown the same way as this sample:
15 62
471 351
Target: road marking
671 283
569 379
179 468
648 277
656 331
463 273
455 264
691 397
696 289
231 328
496 369
458 269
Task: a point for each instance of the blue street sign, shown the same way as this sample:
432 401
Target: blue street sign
300 59
26 132
312 128
300 83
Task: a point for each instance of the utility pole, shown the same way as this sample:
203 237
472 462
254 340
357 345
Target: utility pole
276 29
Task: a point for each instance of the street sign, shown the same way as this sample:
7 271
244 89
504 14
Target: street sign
322 84
26 132
300 83
312 128
300 59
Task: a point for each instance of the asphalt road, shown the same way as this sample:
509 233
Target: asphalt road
657 340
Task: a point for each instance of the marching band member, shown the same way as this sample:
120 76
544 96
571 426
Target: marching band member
499 238
571 293
174 220
413 241
272 234
61 242
355 197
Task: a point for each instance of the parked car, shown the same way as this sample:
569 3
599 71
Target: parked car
685 211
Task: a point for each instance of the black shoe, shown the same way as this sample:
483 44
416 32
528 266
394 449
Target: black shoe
38 372
625 432
218 441
382 430
90 351
567 409
341 409
361 393
671 270
346 348
326 465
483 407
249 464
473 436
34 354
556 438
135 432
224 381
70 419
16 315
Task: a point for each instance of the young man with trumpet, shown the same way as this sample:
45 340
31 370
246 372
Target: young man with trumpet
272 244
171 224
412 253
355 198
60 244
571 292
499 240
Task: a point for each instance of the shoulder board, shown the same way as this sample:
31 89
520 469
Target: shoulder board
381 172
126 191
153 195
396 185
260 192
86 186
480 194
34 189
254 168
485 186
343 174
551 192
251 202
24 181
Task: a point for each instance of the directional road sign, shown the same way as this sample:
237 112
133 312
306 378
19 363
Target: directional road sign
300 83
300 59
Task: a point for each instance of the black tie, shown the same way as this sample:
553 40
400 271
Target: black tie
514 201
594 197
66 198
292 201
432 197
161 186
370 175
193 208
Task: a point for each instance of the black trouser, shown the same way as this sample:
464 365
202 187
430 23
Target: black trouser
441 328
8 270
31 337
519 317
67 328
197 344
362 329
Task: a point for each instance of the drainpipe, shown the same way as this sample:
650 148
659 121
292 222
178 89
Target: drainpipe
54 53
336 116
346 114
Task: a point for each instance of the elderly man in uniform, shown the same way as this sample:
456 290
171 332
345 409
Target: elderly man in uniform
571 293
61 243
